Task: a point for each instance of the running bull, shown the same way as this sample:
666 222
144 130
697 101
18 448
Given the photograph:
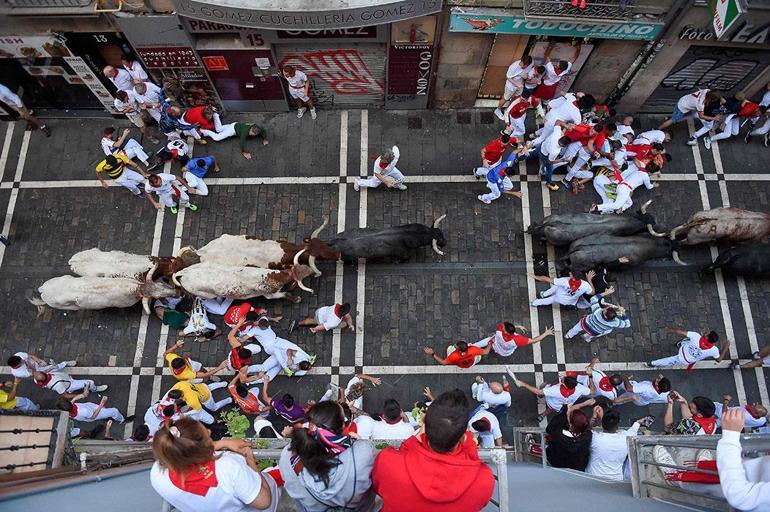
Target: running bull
565 228
98 263
208 280
243 250
732 224
617 252
743 260
75 293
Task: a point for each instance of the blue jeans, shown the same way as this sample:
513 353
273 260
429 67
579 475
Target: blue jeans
544 162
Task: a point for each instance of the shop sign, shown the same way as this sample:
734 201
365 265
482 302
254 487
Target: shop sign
726 14
746 34
218 11
86 76
468 20
329 33
31 47
410 62
168 57
215 63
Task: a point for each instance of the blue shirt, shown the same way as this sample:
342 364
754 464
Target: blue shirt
497 174
197 170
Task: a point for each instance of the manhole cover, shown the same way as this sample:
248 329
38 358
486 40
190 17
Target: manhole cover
414 123
463 118
487 117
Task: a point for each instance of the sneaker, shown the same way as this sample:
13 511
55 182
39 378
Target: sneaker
129 418
215 378
735 365
594 208
499 114
400 186
661 455
356 186
541 171
707 142
473 172
174 210
540 418
553 187
649 364
475 390
70 363
692 141
100 389
193 207
301 112
46 131
201 141
481 198
313 114
566 184
755 356
747 138
512 375
4 240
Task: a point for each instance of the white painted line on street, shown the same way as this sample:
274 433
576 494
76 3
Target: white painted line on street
721 290
14 192
558 330
341 214
362 214
534 319
344 143
364 143
6 149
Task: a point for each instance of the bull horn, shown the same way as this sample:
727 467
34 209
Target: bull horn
437 221
303 287
317 232
435 247
146 305
175 280
653 232
675 256
148 277
311 263
645 205
296 256
672 235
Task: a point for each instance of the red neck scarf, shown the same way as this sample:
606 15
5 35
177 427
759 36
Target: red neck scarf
565 391
506 336
74 411
42 383
704 344
748 410
196 480
605 384
709 425
574 284
337 310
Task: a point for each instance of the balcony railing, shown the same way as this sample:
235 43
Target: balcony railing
598 11
46 7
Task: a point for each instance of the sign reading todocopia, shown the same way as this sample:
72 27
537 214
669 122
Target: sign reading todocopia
378 13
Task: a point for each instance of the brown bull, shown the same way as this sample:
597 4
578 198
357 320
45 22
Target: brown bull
732 224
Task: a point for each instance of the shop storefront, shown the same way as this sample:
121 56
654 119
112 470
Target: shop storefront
605 50
49 76
368 57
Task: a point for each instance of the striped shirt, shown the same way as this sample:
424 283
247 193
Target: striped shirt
595 323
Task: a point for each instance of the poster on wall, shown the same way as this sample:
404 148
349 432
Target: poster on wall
31 47
410 62
87 77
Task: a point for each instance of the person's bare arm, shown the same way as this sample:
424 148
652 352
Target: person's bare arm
575 53
530 388
724 352
14 388
152 201
123 136
590 279
101 180
290 353
232 336
486 350
181 180
265 397
209 373
99 408
216 164
540 337
440 360
177 345
373 380
349 320
627 384
542 279
138 168
668 416
547 54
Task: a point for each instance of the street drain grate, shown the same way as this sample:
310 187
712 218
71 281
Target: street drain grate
414 123
463 118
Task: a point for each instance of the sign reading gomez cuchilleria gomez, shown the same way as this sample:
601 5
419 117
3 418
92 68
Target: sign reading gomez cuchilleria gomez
360 13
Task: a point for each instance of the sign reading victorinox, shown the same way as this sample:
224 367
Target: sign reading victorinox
375 14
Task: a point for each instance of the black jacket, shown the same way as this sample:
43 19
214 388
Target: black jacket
563 450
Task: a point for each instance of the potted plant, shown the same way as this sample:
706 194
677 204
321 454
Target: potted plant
237 423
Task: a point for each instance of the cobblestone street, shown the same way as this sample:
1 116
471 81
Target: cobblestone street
55 207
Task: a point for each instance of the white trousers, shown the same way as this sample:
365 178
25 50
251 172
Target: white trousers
196 183
213 405
762 130
25 404
110 413
622 200
600 185
169 198
669 361
517 127
704 129
272 367
576 170
550 297
374 182
221 131
70 385
130 179
577 329
486 165
494 192
218 305
133 149
732 128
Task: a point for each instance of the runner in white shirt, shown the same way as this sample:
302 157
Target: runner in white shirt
284 356
393 423
693 348
385 171
227 481
554 73
62 383
624 133
328 318
651 136
125 102
134 68
692 106
299 89
566 392
645 392
123 145
485 425
567 291
754 415
514 82
764 104
492 394
562 109
89 411
552 154
170 192
23 364
147 97
12 100
119 77
609 448
506 340
603 384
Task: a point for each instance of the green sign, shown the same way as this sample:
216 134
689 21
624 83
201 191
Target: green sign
726 13
470 20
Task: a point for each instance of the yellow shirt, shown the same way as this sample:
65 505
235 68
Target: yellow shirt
193 394
186 374
4 402
116 171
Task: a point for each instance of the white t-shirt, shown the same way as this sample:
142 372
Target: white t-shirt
23 371
636 178
9 97
493 399
179 146
650 136
85 411
691 352
297 82
516 73
107 146
748 420
237 486
567 297
598 376
645 393
358 403
327 318
765 101
551 147
555 400
609 453
136 71
166 181
694 102
565 111
122 80
552 76
364 426
621 133
151 94
122 105
392 165
384 430
487 438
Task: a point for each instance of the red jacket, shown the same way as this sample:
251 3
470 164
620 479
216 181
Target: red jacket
194 115
428 481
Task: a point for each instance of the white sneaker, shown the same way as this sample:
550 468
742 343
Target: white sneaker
301 112
692 141
512 375
313 115
707 142
356 186
499 113
474 390
70 363
101 388
400 186
481 198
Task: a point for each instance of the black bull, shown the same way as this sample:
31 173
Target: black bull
396 241
565 228
616 252
743 260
